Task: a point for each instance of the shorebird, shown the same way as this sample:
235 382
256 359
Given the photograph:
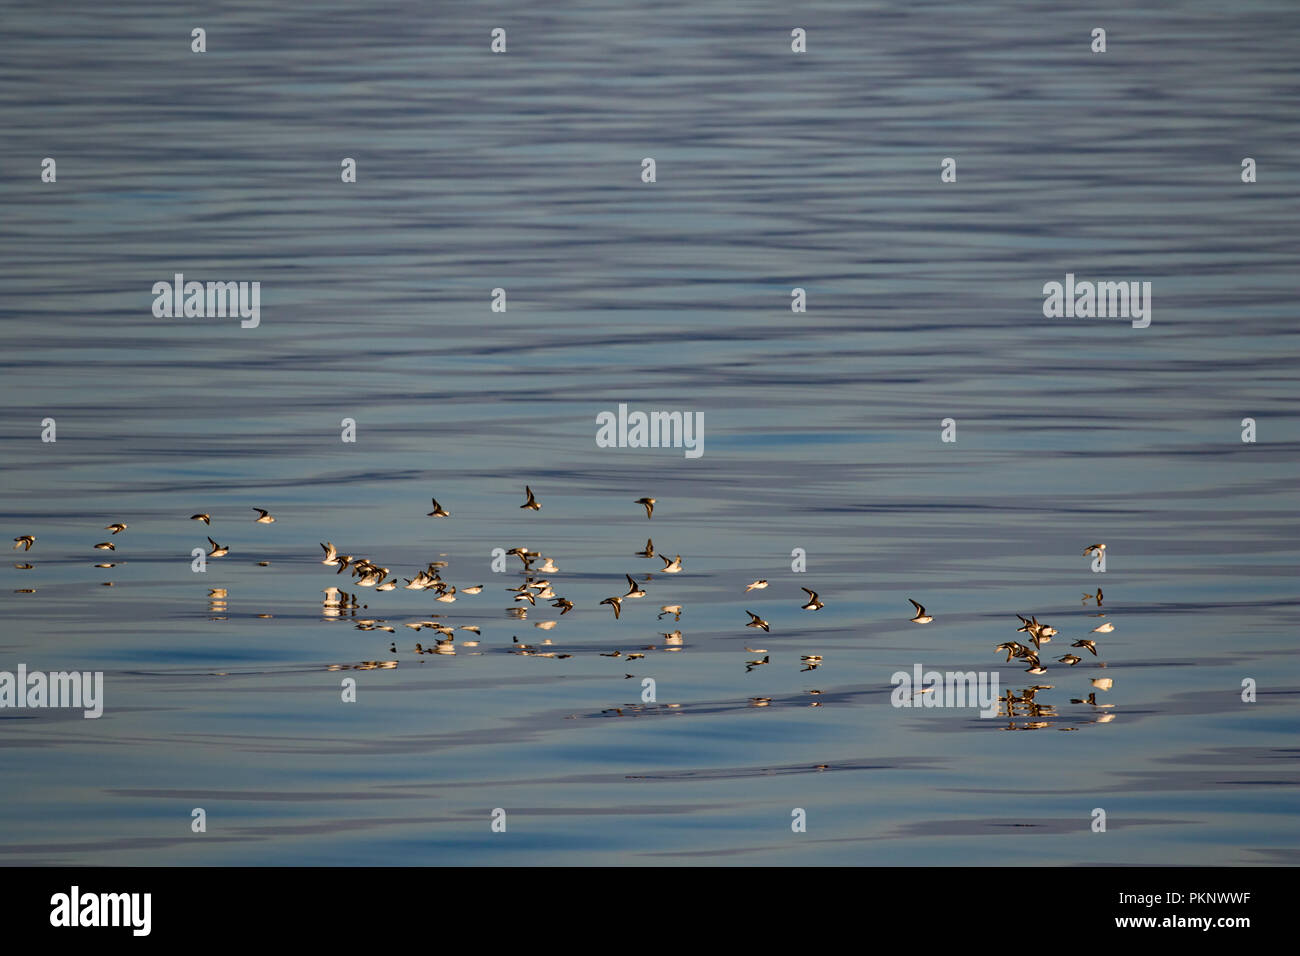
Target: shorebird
1040 634
649 551
204 517
447 597
1084 642
331 553
263 516
525 556
1070 659
633 590
115 527
750 665
756 586
1013 648
218 550
564 604
617 604
24 541
1103 683
671 567
548 567
921 616
1098 548
387 586
476 589
531 504
438 510
674 609
105 546
813 603
756 621
1103 628
649 506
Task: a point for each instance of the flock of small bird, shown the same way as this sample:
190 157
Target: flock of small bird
26 541
1025 704
369 574
534 588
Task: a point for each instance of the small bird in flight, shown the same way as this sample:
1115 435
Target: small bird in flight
649 506
105 546
1103 628
674 609
204 517
115 527
1098 548
438 510
633 590
756 586
617 604
671 567
1013 648
263 516
756 621
813 603
219 550
564 604
1070 659
531 504
921 616
649 551
1084 642
24 541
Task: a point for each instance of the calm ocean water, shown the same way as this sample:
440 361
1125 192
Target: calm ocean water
775 170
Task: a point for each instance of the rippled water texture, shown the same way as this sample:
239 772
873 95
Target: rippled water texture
774 170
